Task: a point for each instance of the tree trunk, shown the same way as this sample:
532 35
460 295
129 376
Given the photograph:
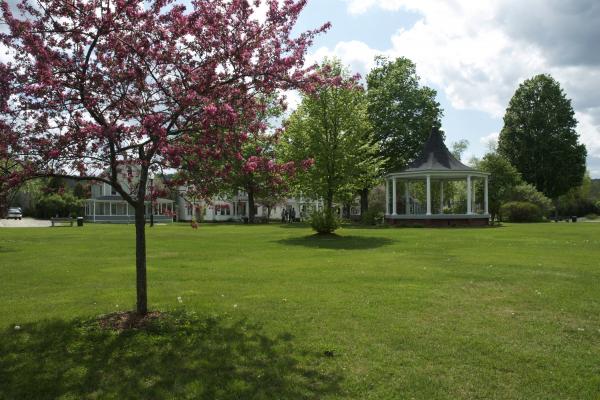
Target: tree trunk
250 206
140 258
3 205
364 201
329 203
346 211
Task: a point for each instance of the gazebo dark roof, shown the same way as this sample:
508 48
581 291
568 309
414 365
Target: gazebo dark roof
436 157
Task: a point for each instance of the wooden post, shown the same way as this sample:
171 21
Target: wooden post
469 210
485 195
387 197
441 197
394 197
407 196
428 194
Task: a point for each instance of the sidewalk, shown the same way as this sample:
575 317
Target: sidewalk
24 223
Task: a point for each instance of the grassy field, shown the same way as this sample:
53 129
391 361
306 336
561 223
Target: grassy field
270 312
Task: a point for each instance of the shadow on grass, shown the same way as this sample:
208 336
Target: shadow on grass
361 226
337 242
302 225
180 356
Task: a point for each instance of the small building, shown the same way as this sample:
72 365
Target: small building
437 190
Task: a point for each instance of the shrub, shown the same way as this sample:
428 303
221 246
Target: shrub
526 192
324 221
592 216
521 211
371 217
61 204
579 207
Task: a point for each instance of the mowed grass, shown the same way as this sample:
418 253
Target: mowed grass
272 312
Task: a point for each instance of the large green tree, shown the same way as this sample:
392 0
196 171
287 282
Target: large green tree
503 179
332 128
401 111
539 137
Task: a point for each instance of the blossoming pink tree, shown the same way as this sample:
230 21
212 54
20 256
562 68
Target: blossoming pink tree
99 88
264 178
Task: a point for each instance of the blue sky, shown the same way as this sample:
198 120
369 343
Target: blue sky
474 55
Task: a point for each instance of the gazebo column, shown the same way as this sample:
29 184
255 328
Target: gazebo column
473 197
441 197
387 197
428 194
394 197
407 196
469 205
485 195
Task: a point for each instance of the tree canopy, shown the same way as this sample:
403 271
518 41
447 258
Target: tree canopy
331 127
539 137
401 111
504 177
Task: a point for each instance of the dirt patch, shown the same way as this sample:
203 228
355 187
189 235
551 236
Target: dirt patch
125 320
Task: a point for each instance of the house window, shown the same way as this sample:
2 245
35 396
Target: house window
121 209
222 209
102 208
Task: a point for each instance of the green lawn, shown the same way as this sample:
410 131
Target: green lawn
270 312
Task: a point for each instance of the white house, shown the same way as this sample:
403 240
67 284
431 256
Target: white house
106 205
235 208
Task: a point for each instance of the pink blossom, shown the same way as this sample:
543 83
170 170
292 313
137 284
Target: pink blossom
211 109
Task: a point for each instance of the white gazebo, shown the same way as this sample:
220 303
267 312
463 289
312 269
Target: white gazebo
437 190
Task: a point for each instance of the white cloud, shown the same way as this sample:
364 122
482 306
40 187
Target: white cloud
355 54
478 52
589 129
490 141
293 99
362 6
260 12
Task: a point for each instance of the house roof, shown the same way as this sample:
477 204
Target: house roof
435 156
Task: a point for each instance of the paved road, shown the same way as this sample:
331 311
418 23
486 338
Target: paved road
24 223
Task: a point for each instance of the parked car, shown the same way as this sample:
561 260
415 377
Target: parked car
14 212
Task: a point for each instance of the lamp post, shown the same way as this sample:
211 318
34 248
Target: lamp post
151 200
